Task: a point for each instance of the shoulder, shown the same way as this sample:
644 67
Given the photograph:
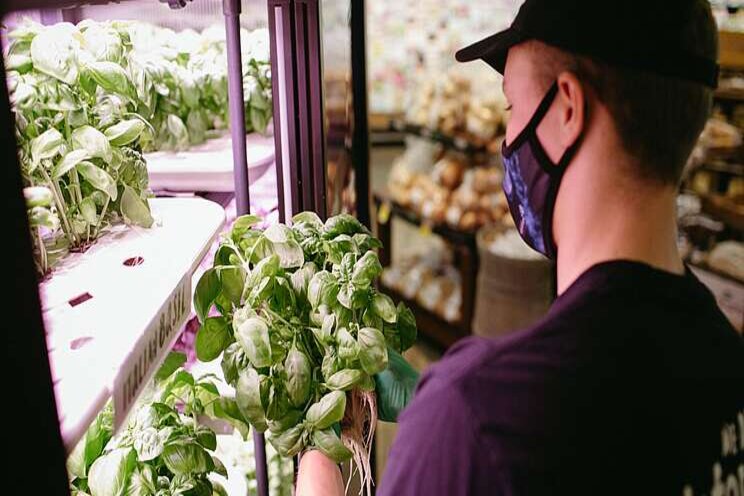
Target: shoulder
443 444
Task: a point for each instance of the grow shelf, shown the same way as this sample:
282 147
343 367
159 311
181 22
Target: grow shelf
208 167
112 313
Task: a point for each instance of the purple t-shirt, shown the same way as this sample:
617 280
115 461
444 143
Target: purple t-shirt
632 384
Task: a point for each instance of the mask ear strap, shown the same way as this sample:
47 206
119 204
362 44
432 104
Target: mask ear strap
544 106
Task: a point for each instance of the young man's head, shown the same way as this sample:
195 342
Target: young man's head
657 119
605 110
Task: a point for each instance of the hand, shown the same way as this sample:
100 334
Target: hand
318 475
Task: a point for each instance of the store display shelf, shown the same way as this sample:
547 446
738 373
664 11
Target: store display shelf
725 210
734 169
729 94
728 290
453 143
446 232
112 313
432 326
382 121
208 166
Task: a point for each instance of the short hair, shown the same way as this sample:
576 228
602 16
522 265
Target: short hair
658 119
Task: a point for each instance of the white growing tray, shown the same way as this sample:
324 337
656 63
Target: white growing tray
109 325
209 166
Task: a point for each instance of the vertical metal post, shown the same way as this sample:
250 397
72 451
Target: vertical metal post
231 10
283 84
360 136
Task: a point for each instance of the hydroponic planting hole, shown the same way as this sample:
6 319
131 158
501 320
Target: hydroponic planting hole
134 261
80 299
78 343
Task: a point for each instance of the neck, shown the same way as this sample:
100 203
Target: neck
613 222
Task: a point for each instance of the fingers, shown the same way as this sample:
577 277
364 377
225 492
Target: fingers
318 476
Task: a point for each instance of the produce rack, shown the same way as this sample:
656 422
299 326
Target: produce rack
433 327
208 167
144 321
122 322
110 314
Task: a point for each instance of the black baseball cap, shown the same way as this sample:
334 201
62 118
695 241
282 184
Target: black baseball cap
646 35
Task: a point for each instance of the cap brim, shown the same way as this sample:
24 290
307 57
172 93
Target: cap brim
493 49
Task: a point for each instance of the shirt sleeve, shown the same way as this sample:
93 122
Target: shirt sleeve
435 451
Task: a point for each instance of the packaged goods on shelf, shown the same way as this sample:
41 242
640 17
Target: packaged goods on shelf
728 257
720 134
431 280
450 192
447 104
425 34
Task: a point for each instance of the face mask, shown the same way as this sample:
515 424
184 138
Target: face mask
531 181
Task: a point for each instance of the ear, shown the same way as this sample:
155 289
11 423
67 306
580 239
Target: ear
572 113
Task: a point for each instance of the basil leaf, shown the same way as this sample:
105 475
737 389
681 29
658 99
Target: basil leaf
384 307
288 443
98 178
206 292
53 52
212 338
326 411
109 474
187 458
406 327
124 132
112 78
330 444
373 354
134 209
149 443
172 362
299 376
248 398
93 141
308 218
47 145
322 289
232 280
68 162
253 336
342 224
344 380
227 409
366 270
88 211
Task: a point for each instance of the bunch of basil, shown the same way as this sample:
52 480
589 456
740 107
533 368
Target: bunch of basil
300 323
79 124
162 451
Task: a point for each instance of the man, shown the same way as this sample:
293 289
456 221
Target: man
634 381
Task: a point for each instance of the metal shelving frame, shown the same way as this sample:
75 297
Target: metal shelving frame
296 59
39 438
